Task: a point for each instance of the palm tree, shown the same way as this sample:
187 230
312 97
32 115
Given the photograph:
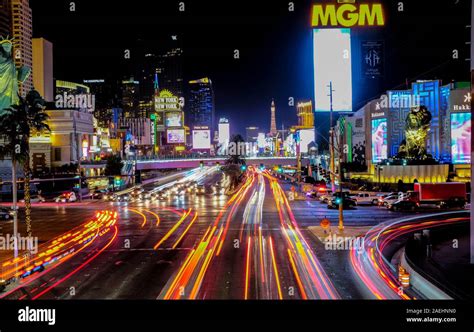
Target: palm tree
36 121
17 123
235 156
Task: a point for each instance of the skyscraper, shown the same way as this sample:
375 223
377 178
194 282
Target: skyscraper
22 31
201 103
130 98
251 134
273 127
170 71
5 19
43 68
305 114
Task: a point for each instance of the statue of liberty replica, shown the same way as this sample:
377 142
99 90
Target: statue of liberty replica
10 76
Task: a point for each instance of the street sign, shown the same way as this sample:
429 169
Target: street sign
325 223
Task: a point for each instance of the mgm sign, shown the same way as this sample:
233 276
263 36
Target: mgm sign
347 15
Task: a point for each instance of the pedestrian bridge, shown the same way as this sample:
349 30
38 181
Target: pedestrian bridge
152 164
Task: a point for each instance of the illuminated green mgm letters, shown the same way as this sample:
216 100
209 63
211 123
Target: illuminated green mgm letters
347 15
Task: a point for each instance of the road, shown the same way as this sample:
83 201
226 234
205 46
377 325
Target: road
253 244
372 261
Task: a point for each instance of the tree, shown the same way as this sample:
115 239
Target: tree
114 166
235 160
236 145
18 123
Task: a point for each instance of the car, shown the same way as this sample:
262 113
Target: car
6 214
318 192
35 199
403 205
123 198
218 190
325 196
200 189
109 197
347 202
366 198
67 197
390 199
99 194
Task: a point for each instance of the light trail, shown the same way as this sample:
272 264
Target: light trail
275 270
57 251
247 268
376 272
154 215
264 261
80 267
185 231
172 230
141 214
188 280
312 280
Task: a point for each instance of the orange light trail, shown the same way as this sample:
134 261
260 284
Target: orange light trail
172 230
185 231
275 270
247 269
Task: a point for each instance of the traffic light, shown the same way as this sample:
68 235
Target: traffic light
262 167
201 164
243 168
280 169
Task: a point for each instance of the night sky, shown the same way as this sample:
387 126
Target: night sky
274 44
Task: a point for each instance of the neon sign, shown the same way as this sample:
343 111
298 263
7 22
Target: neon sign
347 15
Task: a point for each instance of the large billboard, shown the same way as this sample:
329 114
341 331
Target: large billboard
461 138
175 136
202 139
224 133
332 66
372 59
379 139
306 137
174 119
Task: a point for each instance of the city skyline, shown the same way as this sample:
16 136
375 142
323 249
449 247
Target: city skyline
272 150
283 71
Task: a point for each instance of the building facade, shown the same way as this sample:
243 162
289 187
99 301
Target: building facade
5 19
304 111
43 68
201 109
22 32
251 134
376 131
130 98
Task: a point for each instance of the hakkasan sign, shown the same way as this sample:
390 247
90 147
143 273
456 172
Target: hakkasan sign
347 15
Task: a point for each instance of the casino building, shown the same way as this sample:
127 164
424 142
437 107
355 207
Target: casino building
375 131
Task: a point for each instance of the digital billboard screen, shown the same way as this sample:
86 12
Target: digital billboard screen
461 138
306 137
201 139
175 136
224 133
174 119
332 64
379 139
